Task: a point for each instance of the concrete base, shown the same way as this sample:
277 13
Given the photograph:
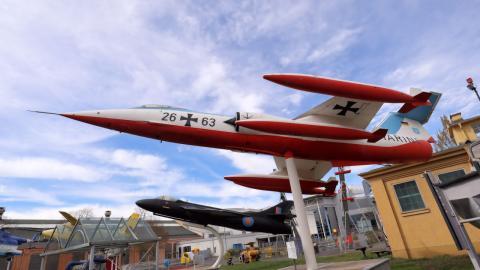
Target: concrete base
376 264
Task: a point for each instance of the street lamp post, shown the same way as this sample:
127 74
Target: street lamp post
472 87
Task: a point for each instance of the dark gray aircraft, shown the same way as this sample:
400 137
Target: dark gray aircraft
271 220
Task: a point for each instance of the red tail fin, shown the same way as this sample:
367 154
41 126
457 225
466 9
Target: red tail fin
419 100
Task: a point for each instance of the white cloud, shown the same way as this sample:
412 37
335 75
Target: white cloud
356 190
249 163
340 41
135 160
224 190
208 77
113 193
10 193
258 202
253 20
48 168
414 72
118 210
148 169
295 99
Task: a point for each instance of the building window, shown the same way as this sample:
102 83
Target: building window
476 150
476 129
35 262
450 176
409 196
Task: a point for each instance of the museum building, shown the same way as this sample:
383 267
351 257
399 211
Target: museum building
411 218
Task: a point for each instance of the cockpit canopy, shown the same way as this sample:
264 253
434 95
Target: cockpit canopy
168 198
157 106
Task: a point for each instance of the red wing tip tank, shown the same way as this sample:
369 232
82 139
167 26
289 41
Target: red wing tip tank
298 128
280 183
270 220
349 89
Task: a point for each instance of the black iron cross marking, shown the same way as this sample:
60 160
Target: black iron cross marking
347 108
247 116
188 118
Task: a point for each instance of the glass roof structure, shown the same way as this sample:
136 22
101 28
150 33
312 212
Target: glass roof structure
98 232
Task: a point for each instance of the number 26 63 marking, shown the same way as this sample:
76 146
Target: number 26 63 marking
205 121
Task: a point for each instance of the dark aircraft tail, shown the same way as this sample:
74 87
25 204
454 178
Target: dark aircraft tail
282 209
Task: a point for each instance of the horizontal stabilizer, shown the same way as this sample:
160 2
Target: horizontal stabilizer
282 209
341 88
421 99
281 183
298 128
377 135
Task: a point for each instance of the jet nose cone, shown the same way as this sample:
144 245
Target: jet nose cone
84 116
148 204
85 113
111 119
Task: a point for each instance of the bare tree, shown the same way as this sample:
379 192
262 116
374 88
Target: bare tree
86 212
444 141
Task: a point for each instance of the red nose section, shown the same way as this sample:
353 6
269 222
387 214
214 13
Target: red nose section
110 123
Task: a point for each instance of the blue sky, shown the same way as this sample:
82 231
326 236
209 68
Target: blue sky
207 56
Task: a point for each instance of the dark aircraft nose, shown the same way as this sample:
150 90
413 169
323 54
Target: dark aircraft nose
151 205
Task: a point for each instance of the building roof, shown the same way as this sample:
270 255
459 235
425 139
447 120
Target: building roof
464 121
31 224
101 232
164 228
470 176
451 152
32 221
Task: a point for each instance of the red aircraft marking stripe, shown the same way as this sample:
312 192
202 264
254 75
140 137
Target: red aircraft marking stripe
340 88
303 129
268 144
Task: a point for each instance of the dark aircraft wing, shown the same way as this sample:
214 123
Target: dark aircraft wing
177 218
210 210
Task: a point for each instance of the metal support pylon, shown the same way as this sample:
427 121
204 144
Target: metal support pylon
91 257
9 260
344 198
218 263
303 230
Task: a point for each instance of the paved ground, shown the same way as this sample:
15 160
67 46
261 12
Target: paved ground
376 264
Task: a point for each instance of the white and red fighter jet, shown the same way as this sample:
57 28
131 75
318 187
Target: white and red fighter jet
305 148
330 134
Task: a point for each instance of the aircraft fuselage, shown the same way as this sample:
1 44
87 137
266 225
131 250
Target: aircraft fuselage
205 215
217 131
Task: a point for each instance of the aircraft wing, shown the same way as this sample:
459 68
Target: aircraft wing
307 169
310 173
348 112
210 210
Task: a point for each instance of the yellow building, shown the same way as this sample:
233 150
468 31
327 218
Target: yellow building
463 130
411 218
